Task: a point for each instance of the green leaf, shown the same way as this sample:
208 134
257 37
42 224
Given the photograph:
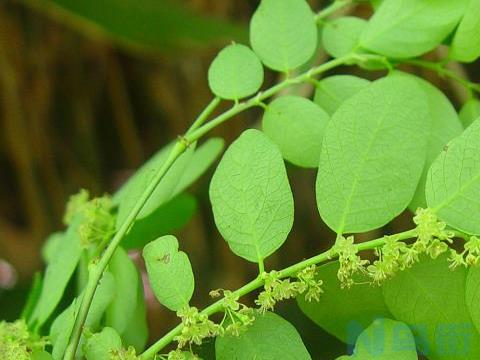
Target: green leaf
341 36
61 329
385 339
472 295
169 272
251 197
104 295
99 346
136 334
41 355
296 125
344 313
466 42
49 248
62 326
430 298
283 33
453 182
270 337
332 91
235 73
58 273
202 159
155 26
128 195
122 307
372 156
32 298
188 168
166 219
445 125
470 112
408 28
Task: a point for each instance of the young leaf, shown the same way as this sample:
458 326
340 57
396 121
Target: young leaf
408 28
125 274
430 298
62 326
166 219
128 195
341 36
251 197
332 91
99 346
32 298
58 273
453 182
372 156
136 334
202 159
283 33
470 112
270 337
472 295
49 248
445 125
344 313
61 329
466 42
169 272
296 125
385 339
235 73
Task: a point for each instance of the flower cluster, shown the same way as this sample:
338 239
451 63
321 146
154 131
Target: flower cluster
470 255
432 235
17 343
394 255
350 262
124 354
239 315
276 289
196 327
97 223
180 355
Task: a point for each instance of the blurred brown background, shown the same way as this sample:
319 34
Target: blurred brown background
89 90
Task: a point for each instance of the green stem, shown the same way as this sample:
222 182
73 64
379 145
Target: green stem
329 10
96 270
439 68
193 134
258 282
205 114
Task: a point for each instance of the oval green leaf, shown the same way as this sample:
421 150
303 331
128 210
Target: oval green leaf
453 182
58 274
472 295
99 346
235 73
445 125
122 307
385 339
409 28
165 220
430 298
470 112
332 91
466 42
372 156
341 36
269 337
251 197
283 33
136 334
296 125
344 313
169 272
